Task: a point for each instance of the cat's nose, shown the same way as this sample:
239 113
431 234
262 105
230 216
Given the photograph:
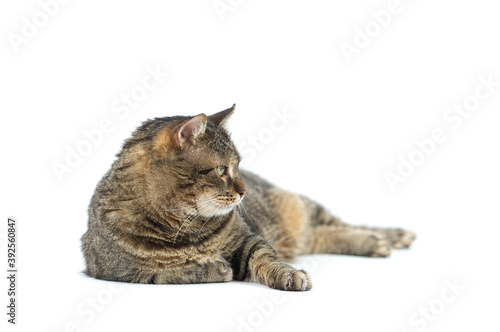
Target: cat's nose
240 188
242 192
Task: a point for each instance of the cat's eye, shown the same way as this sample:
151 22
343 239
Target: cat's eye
205 171
221 170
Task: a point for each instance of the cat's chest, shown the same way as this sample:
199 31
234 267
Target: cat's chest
191 254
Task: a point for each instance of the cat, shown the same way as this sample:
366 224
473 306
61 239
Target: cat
175 209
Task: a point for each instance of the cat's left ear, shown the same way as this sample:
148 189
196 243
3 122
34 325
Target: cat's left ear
221 117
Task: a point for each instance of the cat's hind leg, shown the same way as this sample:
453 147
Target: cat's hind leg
321 221
398 237
347 241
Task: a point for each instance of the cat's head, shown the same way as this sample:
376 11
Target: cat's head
188 163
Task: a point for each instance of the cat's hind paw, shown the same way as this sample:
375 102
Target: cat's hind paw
382 248
405 240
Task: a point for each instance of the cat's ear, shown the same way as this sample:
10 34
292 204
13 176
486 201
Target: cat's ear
189 130
219 118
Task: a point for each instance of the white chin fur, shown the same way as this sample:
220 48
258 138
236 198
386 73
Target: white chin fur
217 210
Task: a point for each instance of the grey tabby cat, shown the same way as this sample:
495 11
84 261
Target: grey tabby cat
175 209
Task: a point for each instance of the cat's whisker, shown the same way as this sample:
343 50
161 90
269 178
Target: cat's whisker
216 213
204 225
182 225
244 209
218 209
203 206
175 238
183 206
201 211
192 221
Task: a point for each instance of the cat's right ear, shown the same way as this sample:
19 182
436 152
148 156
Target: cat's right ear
189 130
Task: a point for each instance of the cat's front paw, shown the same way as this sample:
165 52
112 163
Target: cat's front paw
289 279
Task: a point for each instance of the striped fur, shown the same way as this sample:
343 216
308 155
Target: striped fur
171 210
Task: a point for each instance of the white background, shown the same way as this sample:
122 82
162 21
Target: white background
351 123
